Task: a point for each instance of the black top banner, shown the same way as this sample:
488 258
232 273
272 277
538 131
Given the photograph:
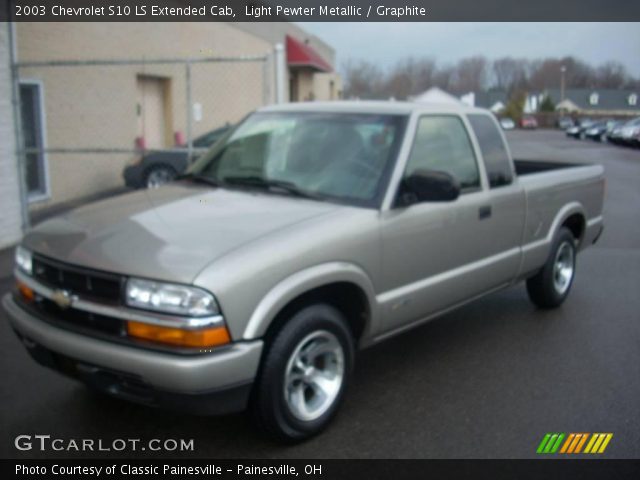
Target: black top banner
321 10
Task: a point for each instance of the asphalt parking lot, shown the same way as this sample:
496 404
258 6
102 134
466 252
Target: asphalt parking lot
486 381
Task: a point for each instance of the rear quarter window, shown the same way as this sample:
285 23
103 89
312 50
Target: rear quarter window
494 151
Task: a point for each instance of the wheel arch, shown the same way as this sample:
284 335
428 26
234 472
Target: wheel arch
577 224
572 216
345 286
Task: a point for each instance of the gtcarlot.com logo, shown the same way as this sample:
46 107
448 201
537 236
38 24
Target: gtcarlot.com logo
48 443
573 443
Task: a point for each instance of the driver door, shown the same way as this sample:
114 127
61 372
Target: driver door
432 251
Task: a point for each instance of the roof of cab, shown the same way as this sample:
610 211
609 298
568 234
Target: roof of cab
374 107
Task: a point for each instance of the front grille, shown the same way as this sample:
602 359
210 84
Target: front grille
88 284
79 319
94 286
101 286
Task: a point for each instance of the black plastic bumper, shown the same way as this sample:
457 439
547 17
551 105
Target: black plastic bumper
133 176
134 389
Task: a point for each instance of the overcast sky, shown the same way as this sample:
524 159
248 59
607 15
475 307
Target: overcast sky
447 42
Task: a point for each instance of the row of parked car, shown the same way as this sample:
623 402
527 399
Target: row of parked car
621 132
527 122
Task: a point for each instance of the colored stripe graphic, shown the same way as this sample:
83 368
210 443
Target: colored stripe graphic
581 443
543 443
598 442
565 447
573 443
555 447
594 437
605 443
550 443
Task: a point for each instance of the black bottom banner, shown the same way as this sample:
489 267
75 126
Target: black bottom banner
323 469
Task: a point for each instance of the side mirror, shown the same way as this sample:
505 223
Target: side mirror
428 186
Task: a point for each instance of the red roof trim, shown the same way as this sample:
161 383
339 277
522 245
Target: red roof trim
300 54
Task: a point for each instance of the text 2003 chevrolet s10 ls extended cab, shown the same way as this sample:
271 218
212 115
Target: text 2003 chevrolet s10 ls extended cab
305 233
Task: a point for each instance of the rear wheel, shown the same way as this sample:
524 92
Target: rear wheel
304 374
551 285
159 175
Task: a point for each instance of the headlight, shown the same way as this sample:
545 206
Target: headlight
24 260
170 298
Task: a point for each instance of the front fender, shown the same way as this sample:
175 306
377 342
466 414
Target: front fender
303 281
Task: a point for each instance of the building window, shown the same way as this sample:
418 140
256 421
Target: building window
593 98
33 131
633 99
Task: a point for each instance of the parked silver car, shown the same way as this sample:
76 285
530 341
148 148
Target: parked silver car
314 230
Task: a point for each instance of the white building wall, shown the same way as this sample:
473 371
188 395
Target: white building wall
10 217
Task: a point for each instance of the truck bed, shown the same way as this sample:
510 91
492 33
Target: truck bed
551 188
527 167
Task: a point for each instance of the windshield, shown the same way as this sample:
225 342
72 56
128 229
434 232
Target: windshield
333 156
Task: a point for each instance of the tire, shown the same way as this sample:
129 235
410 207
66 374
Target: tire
552 284
284 403
158 175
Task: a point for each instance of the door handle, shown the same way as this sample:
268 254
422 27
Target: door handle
484 212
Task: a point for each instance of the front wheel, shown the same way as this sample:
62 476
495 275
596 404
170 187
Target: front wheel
551 285
304 374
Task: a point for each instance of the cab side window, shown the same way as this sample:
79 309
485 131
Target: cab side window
494 152
442 144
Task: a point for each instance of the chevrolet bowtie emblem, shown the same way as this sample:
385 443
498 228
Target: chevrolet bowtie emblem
62 298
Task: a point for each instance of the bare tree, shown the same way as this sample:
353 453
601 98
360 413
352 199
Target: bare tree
444 77
411 76
547 73
612 75
426 74
362 79
510 73
470 75
400 82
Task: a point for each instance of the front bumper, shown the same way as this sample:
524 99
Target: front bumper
133 176
216 382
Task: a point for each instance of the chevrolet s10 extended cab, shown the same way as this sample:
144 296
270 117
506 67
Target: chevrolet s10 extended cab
307 232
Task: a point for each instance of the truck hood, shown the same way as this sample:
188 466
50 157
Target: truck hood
170 233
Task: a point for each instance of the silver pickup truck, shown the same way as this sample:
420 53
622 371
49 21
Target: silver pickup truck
307 232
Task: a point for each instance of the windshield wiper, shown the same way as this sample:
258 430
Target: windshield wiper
268 184
197 178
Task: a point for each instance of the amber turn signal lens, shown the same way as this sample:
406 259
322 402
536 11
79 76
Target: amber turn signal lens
27 294
203 338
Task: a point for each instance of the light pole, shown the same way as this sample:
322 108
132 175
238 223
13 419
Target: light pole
563 69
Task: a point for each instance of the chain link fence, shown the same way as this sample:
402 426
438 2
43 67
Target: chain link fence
83 122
